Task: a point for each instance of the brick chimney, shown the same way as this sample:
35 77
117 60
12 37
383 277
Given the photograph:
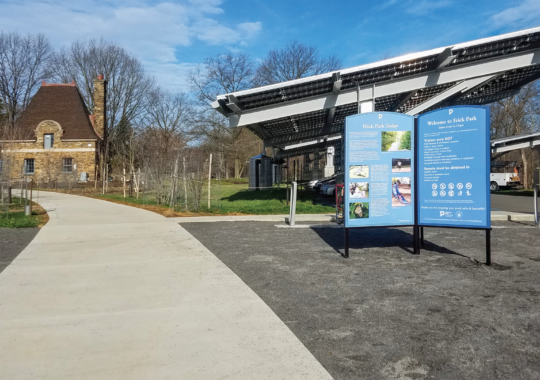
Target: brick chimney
100 106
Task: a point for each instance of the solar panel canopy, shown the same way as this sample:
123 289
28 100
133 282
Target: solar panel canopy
308 114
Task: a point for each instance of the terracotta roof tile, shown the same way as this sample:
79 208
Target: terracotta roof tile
60 103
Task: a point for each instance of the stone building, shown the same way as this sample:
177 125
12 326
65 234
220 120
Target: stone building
57 138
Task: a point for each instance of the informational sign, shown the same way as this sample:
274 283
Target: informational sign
453 167
379 170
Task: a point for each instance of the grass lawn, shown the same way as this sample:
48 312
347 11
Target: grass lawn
15 218
232 197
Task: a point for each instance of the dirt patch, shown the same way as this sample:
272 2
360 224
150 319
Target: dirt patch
385 313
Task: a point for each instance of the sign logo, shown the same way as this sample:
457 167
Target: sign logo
460 186
434 193
450 185
451 193
443 193
468 185
459 214
441 213
434 186
443 186
450 111
380 116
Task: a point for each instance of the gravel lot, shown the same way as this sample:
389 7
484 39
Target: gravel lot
12 242
387 314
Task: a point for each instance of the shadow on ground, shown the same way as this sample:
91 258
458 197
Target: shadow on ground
380 238
280 194
12 242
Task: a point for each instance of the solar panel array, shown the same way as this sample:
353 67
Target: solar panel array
297 127
312 125
286 94
510 79
424 94
495 49
388 72
386 103
498 88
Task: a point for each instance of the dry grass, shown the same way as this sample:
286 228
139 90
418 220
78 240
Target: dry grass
162 210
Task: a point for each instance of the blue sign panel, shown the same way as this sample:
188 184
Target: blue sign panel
379 170
453 167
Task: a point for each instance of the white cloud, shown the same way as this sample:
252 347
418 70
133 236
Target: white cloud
250 28
522 16
426 6
171 75
151 30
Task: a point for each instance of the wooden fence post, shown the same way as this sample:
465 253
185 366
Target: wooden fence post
209 178
185 184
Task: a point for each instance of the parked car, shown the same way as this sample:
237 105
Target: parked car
319 184
329 187
311 184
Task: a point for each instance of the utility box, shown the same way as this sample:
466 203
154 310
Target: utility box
260 172
536 176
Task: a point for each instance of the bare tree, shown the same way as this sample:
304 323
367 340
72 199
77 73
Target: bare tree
518 115
127 87
221 74
128 82
294 61
169 112
24 63
156 141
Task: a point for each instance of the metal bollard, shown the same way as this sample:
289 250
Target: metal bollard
536 180
536 222
292 214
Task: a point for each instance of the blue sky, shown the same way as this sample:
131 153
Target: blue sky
173 37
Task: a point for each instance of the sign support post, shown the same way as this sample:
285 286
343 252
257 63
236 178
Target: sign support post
488 247
453 160
416 229
346 255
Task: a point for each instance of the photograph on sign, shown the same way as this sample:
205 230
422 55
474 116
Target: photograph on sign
359 210
401 165
359 190
379 156
453 167
395 141
359 171
401 191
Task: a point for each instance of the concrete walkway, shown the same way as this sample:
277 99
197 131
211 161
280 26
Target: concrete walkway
495 215
253 218
107 291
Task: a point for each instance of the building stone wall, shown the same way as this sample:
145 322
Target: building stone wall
48 164
100 106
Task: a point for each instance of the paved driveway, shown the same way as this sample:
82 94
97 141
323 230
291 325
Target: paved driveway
107 291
